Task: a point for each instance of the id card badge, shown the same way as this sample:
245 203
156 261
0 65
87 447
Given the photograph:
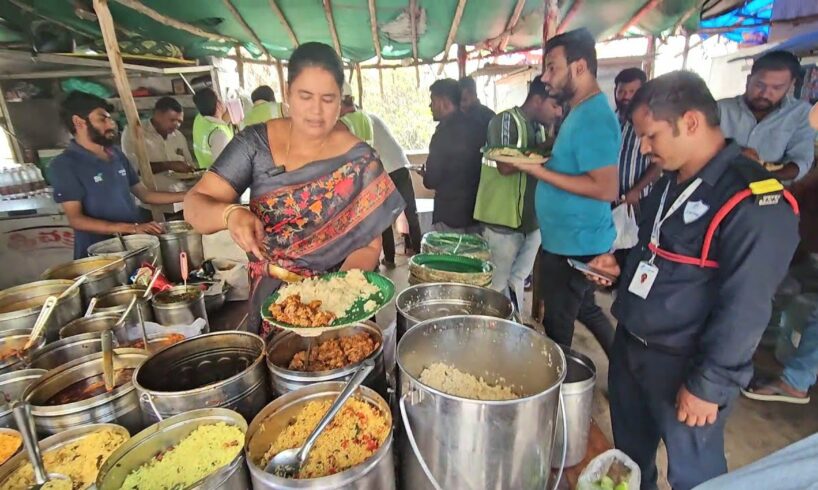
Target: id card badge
643 280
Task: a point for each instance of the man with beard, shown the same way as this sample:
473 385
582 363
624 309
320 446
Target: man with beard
771 124
636 173
452 168
93 179
470 104
694 295
576 188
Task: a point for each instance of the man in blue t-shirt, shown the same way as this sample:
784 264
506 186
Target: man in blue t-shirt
93 179
575 188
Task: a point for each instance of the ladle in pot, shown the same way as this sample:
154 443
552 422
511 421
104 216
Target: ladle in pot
122 242
155 276
91 305
183 267
288 463
25 424
108 359
39 324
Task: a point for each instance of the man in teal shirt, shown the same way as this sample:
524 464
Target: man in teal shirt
575 189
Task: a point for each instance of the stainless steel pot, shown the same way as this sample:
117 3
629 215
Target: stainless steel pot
221 369
112 247
121 405
578 402
12 386
214 302
159 437
20 306
180 237
472 444
54 443
97 283
437 300
180 313
283 347
15 340
95 323
118 299
376 473
65 350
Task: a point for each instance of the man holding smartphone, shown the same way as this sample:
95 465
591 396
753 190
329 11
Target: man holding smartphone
694 295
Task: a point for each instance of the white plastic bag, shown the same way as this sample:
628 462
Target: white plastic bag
598 467
627 231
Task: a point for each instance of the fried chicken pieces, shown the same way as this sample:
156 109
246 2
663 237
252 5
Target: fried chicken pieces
294 312
335 353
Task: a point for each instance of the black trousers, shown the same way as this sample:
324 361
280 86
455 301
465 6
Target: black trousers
642 386
568 297
403 181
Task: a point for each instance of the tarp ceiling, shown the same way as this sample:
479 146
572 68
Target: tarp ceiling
481 20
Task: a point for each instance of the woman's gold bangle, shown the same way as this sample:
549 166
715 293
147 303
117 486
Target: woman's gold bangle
229 210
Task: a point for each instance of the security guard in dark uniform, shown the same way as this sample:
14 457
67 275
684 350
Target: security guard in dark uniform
694 296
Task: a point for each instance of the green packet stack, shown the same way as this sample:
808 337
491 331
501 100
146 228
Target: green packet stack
439 243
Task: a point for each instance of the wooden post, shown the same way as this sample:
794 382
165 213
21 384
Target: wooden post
282 84
106 24
359 79
380 81
686 51
240 65
413 9
650 57
549 25
461 61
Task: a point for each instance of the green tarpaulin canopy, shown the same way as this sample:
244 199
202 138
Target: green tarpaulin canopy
481 20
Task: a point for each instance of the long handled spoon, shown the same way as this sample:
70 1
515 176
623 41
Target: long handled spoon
39 324
22 416
183 267
91 305
108 359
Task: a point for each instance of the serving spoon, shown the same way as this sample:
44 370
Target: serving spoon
22 416
288 463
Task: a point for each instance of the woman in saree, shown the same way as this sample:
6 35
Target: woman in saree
319 197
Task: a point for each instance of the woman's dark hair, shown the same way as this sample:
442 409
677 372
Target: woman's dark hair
669 96
578 44
206 101
314 54
778 60
629 75
80 104
447 88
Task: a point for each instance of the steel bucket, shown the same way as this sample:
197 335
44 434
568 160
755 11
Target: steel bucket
182 313
221 369
376 473
12 386
578 402
112 247
52 443
437 300
120 406
161 436
97 283
20 306
15 340
96 323
180 237
283 347
65 350
118 299
453 442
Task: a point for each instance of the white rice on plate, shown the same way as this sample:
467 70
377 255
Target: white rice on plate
337 294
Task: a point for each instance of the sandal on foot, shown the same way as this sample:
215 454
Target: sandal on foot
773 392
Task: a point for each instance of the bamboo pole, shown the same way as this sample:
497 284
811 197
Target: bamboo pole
249 30
359 78
106 25
240 65
413 5
289 30
176 24
461 61
549 25
331 24
686 51
510 25
650 56
569 16
373 26
458 15
281 82
644 10
679 23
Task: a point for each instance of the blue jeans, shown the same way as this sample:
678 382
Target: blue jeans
801 370
513 256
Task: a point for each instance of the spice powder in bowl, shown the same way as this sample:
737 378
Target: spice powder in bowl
9 444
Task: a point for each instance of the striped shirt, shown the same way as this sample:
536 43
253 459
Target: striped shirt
632 164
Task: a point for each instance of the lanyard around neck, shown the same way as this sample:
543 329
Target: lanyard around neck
658 221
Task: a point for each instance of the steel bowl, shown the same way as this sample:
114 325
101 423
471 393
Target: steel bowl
181 313
214 302
98 282
12 386
157 438
118 299
96 323
179 236
65 350
119 406
15 339
20 306
112 247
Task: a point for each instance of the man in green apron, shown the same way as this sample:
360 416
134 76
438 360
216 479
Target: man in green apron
264 108
505 197
210 131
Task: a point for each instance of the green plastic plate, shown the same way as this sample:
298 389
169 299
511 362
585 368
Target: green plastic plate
451 263
356 314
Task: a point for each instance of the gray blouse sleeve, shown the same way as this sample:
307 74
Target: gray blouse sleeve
235 163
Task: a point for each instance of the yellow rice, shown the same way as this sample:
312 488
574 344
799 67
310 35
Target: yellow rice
79 460
204 451
336 294
453 381
9 444
353 436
